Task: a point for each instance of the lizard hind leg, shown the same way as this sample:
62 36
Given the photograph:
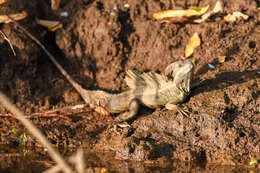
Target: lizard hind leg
132 111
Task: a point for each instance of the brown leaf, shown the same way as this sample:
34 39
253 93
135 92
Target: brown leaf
51 25
234 16
222 59
2 1
177 19
103 170
55 4
191 12
192 44
18 16
217 9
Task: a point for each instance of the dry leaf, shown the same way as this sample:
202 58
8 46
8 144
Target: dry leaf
192 44
234 16
2 1
78 107
178 19
55 4
217 9
18 16
191 12
230 18
239 14
51 25
103 170
102 111
222 59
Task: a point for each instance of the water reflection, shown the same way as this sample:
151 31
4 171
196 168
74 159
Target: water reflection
35 162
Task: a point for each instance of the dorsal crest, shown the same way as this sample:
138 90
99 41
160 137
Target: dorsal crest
145 80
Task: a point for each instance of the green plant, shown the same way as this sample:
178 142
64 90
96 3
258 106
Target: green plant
20 138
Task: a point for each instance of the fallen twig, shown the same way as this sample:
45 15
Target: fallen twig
76 159
35 132
9 42
46 163
81 106
10 154
61 69
47 115
41 114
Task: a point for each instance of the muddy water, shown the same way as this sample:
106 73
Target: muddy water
27 161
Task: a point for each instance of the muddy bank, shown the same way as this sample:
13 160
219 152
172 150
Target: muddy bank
99 41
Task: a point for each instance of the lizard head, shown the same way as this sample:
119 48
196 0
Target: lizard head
181 73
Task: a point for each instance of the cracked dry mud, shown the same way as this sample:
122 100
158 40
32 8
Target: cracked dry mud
99 41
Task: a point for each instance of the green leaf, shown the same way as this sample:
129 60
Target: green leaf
15 132
193 61
253 161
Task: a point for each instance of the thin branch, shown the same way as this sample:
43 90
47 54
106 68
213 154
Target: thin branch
35 132
37 115
61 69
9 42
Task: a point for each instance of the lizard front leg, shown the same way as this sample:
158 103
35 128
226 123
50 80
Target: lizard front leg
132 111
183 110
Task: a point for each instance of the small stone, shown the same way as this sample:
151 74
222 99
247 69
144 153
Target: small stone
126 5
64 14
211 66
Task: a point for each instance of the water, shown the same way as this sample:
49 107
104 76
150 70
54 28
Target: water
35 161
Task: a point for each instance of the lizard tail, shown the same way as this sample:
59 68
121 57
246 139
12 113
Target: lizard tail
90 97
96 97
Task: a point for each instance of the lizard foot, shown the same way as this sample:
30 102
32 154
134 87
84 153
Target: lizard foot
184 110
102 111
120 121
121 125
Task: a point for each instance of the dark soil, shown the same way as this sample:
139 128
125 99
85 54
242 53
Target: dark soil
99 41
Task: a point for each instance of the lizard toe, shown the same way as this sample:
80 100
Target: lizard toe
184 110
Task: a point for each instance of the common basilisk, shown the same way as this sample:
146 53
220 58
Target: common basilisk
149 89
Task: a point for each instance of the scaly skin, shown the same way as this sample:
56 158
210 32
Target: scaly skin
148 89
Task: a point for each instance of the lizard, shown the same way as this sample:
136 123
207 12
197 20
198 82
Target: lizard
149 89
